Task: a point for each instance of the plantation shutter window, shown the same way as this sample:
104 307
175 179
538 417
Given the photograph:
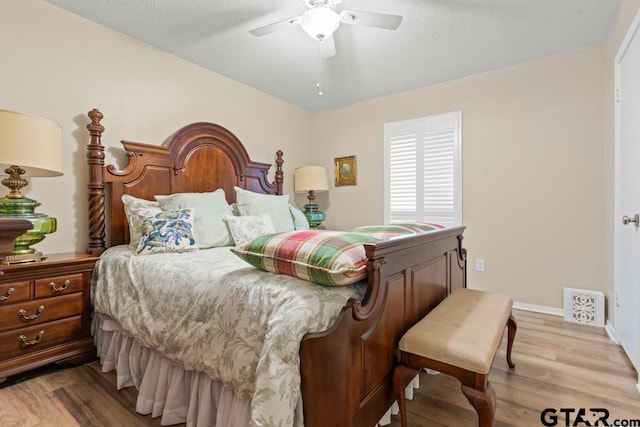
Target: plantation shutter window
423 174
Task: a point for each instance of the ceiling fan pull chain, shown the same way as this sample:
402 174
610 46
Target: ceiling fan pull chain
319 70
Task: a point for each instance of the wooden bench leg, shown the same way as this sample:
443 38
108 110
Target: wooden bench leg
484 402
401 376
512 326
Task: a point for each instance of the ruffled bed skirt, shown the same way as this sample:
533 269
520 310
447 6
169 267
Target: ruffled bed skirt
167 390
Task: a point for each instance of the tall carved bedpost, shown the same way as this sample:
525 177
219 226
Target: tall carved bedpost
279 173
95 160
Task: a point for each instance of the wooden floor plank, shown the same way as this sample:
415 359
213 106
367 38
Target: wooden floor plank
558 365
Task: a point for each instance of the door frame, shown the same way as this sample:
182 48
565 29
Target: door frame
633 30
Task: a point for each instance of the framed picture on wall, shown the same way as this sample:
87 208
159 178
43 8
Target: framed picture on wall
345 170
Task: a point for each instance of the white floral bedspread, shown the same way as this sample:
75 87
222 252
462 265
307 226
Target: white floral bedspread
210 311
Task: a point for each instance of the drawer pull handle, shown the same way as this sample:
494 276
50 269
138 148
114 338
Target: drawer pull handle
22 312
23 339
65 285
6 297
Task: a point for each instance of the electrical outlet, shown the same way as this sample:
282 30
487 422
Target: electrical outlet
480 265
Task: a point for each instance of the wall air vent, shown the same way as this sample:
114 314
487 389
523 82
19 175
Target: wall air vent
582 306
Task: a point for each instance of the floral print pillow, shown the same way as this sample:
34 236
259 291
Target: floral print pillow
167 231
134 208
246 228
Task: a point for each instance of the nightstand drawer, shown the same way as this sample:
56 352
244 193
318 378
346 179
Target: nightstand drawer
14 292
35 312
60 285
47 317
34 338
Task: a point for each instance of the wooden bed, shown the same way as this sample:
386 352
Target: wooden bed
346 371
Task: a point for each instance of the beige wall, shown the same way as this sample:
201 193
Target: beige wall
626 13
59 66
532 166
537 141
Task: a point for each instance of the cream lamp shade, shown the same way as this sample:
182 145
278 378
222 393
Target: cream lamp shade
311 179
30 146
30 142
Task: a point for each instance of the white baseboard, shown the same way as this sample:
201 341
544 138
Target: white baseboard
539 309
608 326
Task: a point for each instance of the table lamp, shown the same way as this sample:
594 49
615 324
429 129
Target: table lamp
311 179
30 146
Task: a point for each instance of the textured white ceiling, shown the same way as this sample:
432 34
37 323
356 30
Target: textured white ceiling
438 40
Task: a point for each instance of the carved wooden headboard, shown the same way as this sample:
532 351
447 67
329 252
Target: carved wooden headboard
199 157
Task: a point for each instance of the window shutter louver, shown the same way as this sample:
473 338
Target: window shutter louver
402 181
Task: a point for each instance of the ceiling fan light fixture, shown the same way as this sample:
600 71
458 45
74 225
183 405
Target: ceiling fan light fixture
320 22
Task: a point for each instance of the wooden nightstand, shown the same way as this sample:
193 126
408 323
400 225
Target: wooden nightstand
45 313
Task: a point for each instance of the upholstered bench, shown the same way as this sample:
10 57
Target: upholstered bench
460 338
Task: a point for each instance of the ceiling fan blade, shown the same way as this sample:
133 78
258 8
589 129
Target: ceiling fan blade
276 26
327 48
371 19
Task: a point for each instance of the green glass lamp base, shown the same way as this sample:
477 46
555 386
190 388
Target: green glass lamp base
23 208
314 216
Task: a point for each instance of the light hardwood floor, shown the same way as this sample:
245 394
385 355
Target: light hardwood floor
558 365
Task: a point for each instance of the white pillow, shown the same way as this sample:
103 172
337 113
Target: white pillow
300 221
246 228
133 208
234 209
210 209
277 207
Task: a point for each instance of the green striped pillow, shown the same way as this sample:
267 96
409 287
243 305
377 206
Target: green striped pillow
382 232
330 258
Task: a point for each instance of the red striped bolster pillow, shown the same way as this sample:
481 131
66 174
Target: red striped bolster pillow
330 258
381 232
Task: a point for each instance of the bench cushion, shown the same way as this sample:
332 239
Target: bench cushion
464 330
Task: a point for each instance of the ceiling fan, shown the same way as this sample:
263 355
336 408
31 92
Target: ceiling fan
321 20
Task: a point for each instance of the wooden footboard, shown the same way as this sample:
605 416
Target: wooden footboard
347 371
